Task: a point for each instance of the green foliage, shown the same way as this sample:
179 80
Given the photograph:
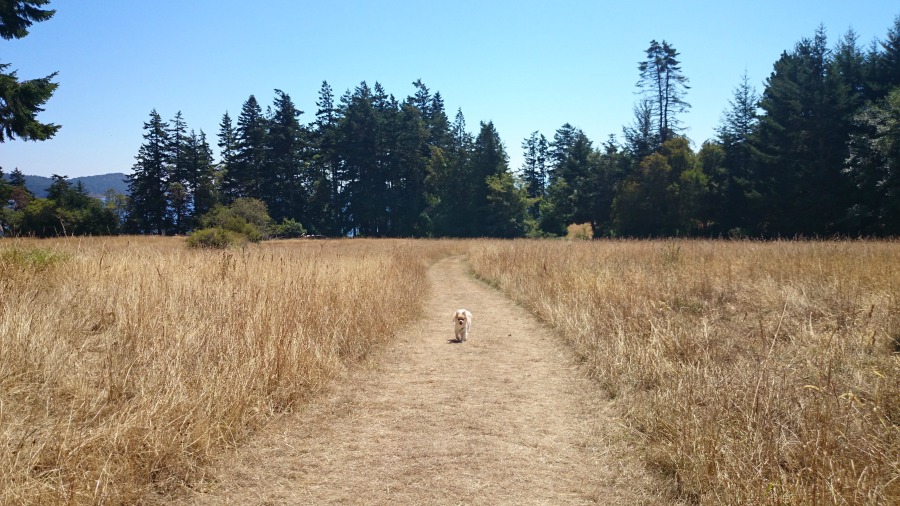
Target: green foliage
21 101
215 238
289 228
874 166
508 202
32 258
245 216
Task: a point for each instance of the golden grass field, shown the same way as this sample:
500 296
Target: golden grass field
758 373
126 363
754 373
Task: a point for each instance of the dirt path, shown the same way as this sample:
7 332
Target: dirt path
505 418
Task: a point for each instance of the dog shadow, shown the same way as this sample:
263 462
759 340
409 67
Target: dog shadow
454 341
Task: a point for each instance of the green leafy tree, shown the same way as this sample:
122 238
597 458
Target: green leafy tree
874 166
21 101
508 204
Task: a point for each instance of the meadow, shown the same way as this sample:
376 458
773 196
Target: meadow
754 373
749 373
127 363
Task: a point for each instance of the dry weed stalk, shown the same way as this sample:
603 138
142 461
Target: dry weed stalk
126 363
760 373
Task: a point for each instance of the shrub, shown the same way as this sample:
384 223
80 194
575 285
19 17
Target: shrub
216 238
289 228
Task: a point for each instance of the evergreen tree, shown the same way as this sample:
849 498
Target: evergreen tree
199 176
801 141
228 160
640 138
21 101
365 185
408 194
664 85
178 192
488 159
285 192
326 200
451 178
16 178
246 173
148 184
874 166
534 166
885 63
562 142
734 172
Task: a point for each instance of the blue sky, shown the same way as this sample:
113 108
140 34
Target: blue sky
525 65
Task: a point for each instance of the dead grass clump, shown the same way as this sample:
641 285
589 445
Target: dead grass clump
759 373
580 232
134 360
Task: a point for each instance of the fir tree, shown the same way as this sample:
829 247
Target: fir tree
21 101
148 184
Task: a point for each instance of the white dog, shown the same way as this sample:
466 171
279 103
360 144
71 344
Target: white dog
462 321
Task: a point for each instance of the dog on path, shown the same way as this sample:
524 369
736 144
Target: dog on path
462 321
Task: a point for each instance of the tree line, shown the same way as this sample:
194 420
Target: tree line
815 154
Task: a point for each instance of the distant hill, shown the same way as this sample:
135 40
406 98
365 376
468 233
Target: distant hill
96 186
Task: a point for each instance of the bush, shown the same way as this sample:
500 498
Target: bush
246 217
289 228
216 238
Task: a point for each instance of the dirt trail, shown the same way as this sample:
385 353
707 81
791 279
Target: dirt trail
504 418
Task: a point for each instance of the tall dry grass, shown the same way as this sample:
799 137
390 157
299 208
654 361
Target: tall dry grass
758 373
127 363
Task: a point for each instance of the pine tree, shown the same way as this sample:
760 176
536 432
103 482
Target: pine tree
885 61
199 176
534 166
227 160
326 201
179 194
640 137
737 182
664 85
246 174
801 143
285 193
21 101
365 185
488 159
148 184
874 166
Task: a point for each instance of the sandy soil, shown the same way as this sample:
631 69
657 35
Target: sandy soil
504 418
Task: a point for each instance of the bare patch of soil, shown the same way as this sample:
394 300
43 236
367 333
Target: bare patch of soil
505 418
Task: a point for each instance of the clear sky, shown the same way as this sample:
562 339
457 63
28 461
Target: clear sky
525 65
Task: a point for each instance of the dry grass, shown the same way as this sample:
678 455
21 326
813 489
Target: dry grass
127 363
759 373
